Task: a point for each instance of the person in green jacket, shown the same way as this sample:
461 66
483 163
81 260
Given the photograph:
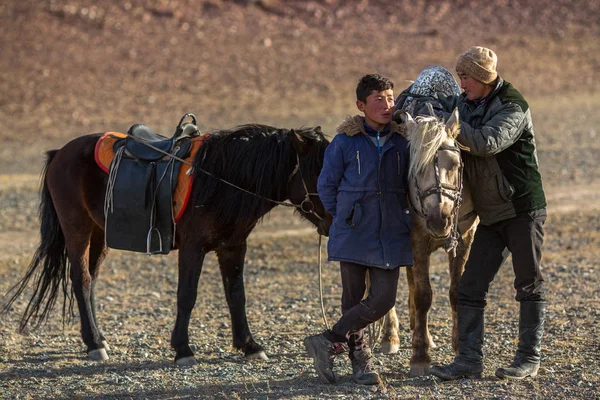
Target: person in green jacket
502 171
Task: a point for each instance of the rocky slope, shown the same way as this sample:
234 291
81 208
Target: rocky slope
80 66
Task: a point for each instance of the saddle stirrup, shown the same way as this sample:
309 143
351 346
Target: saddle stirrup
149 241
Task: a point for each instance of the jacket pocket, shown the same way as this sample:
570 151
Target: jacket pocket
355 215
406 220
504 188
397 216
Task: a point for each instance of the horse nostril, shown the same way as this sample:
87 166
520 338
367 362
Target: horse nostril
323 229
438 226
325 224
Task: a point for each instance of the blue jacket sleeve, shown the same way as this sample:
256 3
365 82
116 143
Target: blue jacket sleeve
331 176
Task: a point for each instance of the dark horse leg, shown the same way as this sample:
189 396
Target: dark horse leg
85 248
191 258
231 263
98 252
420 297
84 270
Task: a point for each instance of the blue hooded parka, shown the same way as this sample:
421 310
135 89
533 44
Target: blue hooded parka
364 187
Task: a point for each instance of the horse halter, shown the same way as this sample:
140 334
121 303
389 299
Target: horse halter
443 189
307 206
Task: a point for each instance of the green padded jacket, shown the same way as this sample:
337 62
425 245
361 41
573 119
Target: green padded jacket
502 166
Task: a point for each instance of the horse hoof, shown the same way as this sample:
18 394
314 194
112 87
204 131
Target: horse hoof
419 370
186 362
432 345
389 348
98 355
106 346
261 355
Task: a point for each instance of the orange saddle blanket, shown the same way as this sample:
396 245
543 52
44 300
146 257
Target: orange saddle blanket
105 153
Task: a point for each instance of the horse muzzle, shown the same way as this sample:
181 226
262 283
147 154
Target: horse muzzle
439 228
324 225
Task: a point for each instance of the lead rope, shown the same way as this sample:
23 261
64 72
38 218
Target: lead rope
375 328
321 286
455 238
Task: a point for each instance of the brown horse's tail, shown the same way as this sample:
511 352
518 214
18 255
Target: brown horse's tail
51 256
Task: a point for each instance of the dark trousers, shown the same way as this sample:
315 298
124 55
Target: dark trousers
523 236
358 313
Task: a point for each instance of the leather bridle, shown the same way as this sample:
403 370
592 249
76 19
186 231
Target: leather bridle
306 206
440 189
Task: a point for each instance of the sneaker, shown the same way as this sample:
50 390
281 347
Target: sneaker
322 351
363 370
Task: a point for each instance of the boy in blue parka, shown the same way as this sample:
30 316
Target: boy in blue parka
363 184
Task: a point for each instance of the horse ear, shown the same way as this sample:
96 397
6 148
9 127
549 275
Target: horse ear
298 137
299 142
405 118
453 124
318 130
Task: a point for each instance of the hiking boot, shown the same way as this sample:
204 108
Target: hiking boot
322 351
531 326
469 362
363 371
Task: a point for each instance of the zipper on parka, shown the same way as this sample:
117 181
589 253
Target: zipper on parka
358 160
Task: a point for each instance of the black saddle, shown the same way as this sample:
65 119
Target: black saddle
144 144
143 176
139 149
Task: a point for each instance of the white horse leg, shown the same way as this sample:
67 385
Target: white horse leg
421 298
390 341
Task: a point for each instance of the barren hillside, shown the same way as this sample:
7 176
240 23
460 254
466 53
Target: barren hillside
81 66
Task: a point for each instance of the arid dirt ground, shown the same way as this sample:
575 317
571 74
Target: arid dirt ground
74 67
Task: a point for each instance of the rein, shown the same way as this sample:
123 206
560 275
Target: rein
443 189
306 206
321 286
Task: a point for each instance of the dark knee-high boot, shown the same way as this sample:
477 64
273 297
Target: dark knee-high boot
531 326
469 361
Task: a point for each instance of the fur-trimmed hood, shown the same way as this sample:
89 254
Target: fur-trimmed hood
354 125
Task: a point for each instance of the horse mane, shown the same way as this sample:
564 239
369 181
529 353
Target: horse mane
428 135
257 158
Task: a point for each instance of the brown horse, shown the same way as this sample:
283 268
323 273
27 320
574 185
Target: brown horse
273 164
442 217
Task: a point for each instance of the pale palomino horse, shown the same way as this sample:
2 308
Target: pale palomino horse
442 217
